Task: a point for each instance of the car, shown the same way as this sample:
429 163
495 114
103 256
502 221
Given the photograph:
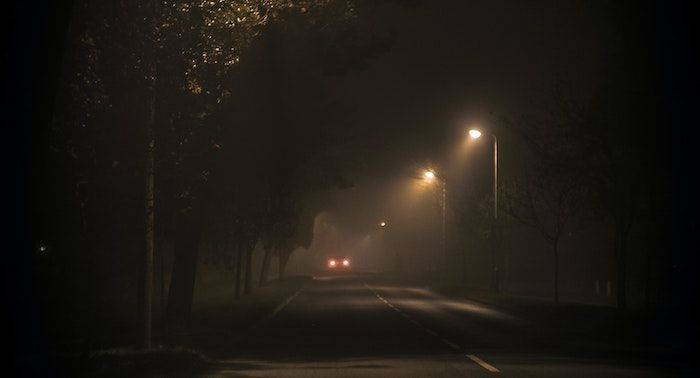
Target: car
338 263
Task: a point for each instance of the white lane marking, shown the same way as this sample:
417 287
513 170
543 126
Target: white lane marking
415 322
285 303
271 315
483 363
450 343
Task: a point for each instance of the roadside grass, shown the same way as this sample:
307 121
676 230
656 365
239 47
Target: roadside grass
121 362
659 327
217 322
217 309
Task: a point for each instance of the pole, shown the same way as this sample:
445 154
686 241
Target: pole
496 272
495 177
150 170
150 247
444 236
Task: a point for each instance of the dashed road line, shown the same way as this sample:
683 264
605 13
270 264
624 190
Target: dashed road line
483 363
445 341
274 312
450 343
413 321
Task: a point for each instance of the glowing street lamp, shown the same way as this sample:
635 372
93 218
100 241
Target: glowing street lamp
476 134
429 176
382 232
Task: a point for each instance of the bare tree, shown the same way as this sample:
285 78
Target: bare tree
546 201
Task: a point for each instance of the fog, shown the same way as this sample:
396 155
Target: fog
215 187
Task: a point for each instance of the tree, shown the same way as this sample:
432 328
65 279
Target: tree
475 212
165 92
177 48
268 132
589 150
547 201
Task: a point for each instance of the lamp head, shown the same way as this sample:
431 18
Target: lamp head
474 133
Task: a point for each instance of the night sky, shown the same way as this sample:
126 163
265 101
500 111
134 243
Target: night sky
452 66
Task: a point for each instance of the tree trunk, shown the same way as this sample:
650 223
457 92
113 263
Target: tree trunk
647 267
622 276
88 292
150 224
555 247
265 267
248 288
186 251
647 281
621 230
399 261
161 274
238 269
495 273
284 258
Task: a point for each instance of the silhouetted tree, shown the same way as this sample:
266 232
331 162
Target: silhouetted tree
548 201
474 211
591 148
268 133
161 92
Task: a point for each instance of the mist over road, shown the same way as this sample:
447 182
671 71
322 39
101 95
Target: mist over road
369 325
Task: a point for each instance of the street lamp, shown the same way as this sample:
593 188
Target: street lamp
386 252
429 176
476 134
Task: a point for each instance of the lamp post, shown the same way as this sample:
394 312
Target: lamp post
476 134
386 252
430 176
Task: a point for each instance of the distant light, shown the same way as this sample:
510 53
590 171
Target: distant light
383 224
429 175
332 263
42 248
346 262
474 133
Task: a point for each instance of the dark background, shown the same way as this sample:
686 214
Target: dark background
34 35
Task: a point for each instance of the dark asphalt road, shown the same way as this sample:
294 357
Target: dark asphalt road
363 325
